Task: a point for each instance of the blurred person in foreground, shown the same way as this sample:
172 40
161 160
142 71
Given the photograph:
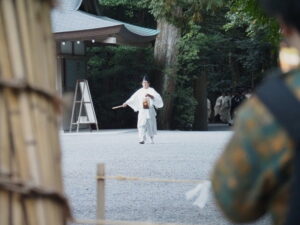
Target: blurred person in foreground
253 176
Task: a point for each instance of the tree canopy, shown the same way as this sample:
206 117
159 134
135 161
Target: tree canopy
249 15
232 45
191 9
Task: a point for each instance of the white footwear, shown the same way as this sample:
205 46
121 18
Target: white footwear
152 142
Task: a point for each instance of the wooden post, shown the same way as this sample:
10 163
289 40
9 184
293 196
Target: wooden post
100 192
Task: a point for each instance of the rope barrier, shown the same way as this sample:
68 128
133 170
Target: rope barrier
124 178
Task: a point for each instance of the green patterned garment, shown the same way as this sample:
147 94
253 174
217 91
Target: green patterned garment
252 177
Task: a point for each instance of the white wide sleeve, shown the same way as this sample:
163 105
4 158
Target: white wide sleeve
157 101
133 102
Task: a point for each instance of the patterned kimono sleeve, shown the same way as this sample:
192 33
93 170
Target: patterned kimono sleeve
249 171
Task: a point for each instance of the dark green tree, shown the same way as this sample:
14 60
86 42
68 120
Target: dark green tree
114 75
172 17
218 50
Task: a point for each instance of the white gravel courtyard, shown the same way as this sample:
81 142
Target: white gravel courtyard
175 155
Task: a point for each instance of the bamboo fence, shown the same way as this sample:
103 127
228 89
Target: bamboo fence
30 168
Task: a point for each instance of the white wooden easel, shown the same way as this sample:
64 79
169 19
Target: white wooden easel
86 102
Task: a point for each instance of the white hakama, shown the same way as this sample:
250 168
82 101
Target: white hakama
146 123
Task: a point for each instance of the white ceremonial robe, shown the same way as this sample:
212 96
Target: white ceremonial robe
225 109
208 109
146 123
218 105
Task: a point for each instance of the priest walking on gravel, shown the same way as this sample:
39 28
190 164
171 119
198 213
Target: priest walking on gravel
145 101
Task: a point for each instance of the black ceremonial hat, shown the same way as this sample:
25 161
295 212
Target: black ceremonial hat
146 78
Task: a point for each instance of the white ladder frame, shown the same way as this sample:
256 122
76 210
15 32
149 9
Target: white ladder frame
81 102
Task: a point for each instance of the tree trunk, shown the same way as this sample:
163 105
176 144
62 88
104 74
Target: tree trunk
235 73
165 54
92 6
200 94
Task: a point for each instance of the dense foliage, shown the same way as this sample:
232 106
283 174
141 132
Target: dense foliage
233 46
191 9
249 15
231 58
114 74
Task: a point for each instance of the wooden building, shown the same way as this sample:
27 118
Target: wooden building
75 29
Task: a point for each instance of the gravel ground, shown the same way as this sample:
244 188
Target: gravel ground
175 155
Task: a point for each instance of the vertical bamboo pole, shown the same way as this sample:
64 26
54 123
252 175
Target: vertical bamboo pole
13 44
38 211
45 112
5 144
100 192
4 161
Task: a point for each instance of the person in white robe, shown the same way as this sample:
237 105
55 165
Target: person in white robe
218 106
225 109
145 101
208 109
248 94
